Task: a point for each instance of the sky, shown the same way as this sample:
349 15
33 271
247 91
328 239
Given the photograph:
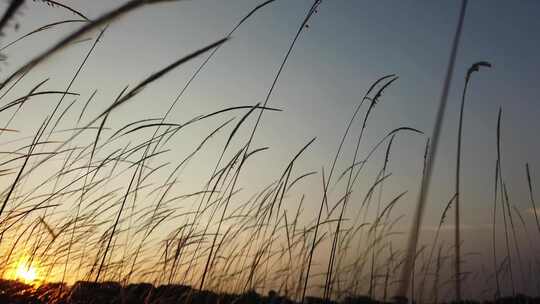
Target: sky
348 45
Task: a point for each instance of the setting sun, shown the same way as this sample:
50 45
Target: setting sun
26 273
270 151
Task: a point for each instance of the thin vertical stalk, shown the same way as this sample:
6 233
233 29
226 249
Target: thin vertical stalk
531 196
424 188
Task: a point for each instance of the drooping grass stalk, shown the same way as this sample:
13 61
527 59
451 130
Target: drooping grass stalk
374 100
41 29
284 181
361 163
72 80
138 88
277 198
106 18
74 11
209 57
196 73
457 239
425 183
149 229
311 11
179 243
20 102
78 208
21 169
222 177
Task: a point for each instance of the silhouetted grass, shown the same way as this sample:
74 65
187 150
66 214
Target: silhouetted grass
97 201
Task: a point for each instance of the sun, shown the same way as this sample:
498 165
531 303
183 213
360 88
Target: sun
27 273
25 269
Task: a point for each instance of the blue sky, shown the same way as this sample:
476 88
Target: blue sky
347 46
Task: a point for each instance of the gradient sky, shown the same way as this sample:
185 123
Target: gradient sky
347 46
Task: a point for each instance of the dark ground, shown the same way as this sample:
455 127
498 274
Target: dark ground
14 292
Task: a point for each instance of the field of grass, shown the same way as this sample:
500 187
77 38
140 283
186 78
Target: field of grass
93 212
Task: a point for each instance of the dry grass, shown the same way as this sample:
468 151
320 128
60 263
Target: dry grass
84 199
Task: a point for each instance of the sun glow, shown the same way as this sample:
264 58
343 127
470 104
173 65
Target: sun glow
27 274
